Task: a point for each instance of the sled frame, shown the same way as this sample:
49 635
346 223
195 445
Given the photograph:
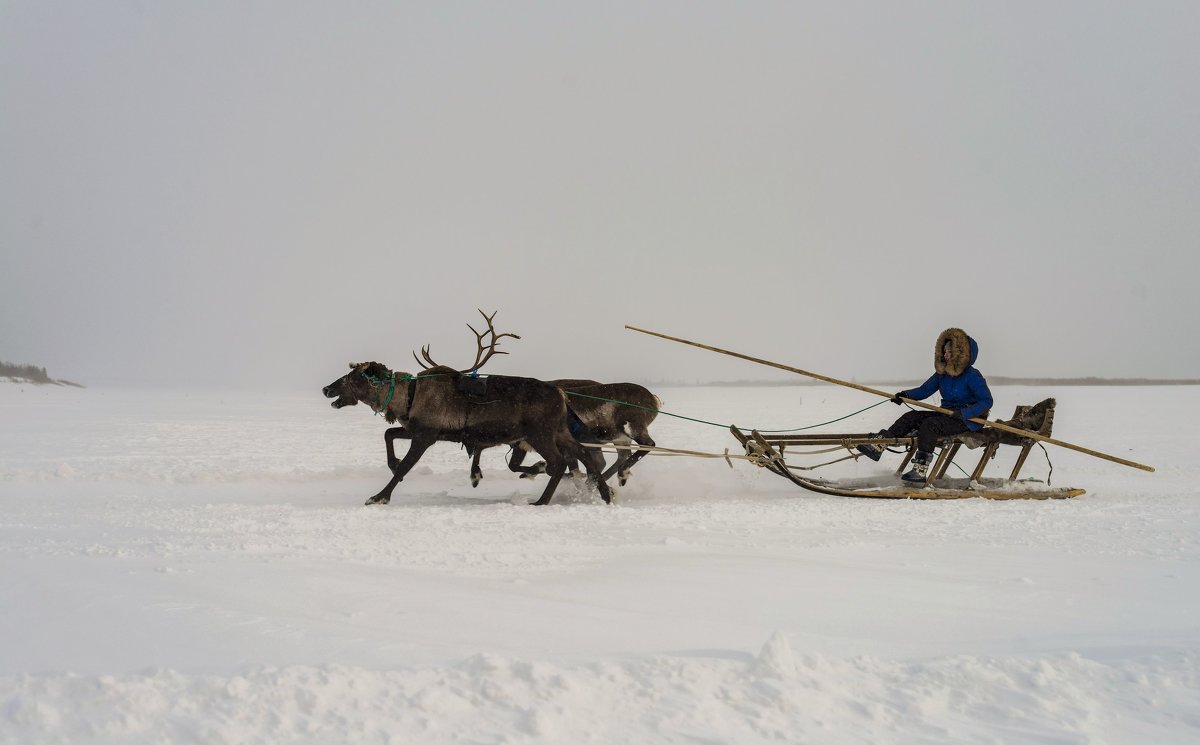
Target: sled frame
770 452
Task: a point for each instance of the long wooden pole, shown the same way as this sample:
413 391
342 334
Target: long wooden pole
885 394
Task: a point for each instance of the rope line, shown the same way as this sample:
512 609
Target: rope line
659 450
406 377
1048 463
717 424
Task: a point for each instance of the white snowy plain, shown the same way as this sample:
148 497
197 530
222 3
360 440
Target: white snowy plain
198 567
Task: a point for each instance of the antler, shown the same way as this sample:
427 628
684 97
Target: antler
425 354
480 358
482 353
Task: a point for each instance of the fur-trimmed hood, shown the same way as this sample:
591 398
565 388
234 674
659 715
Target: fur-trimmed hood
963 352
963 387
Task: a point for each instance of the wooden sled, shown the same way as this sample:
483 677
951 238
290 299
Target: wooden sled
771 453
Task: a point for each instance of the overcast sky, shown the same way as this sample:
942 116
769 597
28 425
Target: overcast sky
257 193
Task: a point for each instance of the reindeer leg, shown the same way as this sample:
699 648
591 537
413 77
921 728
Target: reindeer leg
555 466
518 457
476 471
547 447
573 466
623 457
593 461
415 451
642 438
390 435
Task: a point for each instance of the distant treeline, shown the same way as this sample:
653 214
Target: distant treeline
899 384
31 374
999 380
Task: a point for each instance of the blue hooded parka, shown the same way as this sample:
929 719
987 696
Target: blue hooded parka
963 388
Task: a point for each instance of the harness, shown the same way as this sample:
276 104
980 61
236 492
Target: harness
412 394
390 382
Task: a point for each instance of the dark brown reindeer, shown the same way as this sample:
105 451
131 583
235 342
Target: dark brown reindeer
617 413
442 404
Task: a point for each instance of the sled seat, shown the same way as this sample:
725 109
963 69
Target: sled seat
1038 418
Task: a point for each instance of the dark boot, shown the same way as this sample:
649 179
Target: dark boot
872 451
920 467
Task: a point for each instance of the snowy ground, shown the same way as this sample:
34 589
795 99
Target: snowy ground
199 567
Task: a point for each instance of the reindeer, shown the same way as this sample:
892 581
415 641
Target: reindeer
619 413
442 404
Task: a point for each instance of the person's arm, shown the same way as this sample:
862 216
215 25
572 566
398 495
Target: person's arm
923 391
980 392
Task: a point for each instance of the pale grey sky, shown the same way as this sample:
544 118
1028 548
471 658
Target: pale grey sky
256 193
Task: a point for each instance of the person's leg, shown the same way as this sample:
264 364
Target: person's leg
936 427
929 432
909 423
906 425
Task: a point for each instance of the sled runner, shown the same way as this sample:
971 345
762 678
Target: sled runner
771 453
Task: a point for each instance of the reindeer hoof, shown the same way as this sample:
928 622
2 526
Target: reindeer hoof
378 499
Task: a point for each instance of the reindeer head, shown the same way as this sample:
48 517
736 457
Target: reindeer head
367 382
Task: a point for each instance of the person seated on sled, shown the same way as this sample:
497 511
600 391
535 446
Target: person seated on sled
963 389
